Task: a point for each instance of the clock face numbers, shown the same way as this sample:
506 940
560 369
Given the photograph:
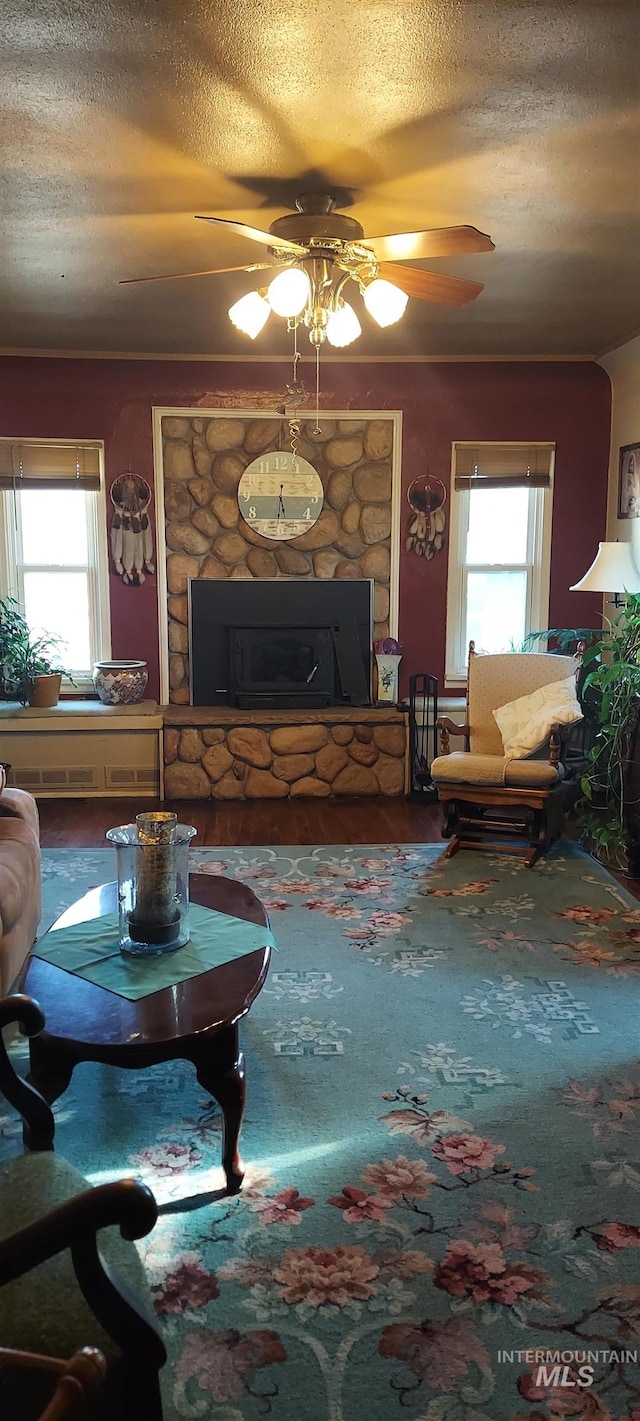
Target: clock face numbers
280 495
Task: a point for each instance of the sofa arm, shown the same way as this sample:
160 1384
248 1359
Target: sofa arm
19 804
20 882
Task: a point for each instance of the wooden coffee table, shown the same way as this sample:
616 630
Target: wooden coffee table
194 1021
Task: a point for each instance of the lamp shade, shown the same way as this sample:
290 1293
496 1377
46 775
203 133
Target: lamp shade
384 301
612 570
250 313
343 326
289 292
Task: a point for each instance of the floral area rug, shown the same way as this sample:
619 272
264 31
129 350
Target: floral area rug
440 1219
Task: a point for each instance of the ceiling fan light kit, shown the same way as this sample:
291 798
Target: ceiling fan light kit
321 250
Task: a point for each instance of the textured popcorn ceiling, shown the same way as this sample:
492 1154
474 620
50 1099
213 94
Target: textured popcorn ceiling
120 120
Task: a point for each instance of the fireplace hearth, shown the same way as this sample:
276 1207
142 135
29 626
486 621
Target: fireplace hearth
280 643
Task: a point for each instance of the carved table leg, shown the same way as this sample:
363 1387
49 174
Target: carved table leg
50 1070
226 1083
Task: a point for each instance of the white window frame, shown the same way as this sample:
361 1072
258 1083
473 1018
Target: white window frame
538 565
11 574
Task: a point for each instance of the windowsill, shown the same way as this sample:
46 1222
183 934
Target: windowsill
66 710
81 686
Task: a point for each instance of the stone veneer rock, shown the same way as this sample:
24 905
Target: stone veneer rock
222 754
206 536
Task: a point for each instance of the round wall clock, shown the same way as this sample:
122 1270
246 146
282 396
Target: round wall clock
280 495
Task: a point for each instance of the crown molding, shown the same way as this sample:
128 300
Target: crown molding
253 359
618 344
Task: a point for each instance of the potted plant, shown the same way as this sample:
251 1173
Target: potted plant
13 630
30 662
609 808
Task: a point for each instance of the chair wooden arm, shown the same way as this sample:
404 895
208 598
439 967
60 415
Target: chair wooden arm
75 1225
77 1378
448 727
25 1012
126 1202
554 744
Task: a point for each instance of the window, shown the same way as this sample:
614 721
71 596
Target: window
53 546
499 548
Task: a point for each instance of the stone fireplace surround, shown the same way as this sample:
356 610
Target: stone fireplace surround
200 458
225 753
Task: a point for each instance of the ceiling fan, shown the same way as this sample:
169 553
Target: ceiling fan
319 250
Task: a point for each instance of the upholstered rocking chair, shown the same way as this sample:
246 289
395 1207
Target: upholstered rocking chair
508 790
71 1283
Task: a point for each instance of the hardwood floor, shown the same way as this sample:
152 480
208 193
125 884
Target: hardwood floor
82 823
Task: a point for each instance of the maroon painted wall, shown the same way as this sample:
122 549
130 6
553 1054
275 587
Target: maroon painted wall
567 402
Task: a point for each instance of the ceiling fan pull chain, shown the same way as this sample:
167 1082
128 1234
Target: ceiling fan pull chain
317 429
292 325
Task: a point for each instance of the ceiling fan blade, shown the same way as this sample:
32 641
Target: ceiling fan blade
439 242
430 286
256 235
180 275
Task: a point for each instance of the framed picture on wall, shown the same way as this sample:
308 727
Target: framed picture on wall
629 482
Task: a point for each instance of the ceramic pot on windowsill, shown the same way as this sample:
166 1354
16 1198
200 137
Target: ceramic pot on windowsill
120 683
45 690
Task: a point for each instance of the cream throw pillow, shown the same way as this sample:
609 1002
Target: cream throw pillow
525 724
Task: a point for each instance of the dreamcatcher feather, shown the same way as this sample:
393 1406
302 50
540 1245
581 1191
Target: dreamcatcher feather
131 531
426 497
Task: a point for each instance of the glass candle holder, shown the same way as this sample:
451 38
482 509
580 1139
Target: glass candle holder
153 883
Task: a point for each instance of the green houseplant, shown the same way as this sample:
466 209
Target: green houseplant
26 657
608 811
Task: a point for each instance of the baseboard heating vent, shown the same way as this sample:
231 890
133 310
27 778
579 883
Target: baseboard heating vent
24 779
119 778
33 779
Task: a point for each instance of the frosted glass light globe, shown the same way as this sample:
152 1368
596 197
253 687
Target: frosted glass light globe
385 302
289 292
250 313
343 326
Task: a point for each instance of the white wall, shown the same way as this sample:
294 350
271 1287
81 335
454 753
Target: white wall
623 366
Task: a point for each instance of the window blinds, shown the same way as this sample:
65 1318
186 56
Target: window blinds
503 465
33 465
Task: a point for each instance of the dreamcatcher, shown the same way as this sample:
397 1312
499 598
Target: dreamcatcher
426 497
131 531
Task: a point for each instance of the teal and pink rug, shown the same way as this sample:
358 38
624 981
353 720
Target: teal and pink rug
442 1139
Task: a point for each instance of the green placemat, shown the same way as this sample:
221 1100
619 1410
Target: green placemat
91 950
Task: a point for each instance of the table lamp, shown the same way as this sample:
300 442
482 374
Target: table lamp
612 570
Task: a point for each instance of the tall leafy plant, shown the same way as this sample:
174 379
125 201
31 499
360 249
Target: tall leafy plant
610 695
613 674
